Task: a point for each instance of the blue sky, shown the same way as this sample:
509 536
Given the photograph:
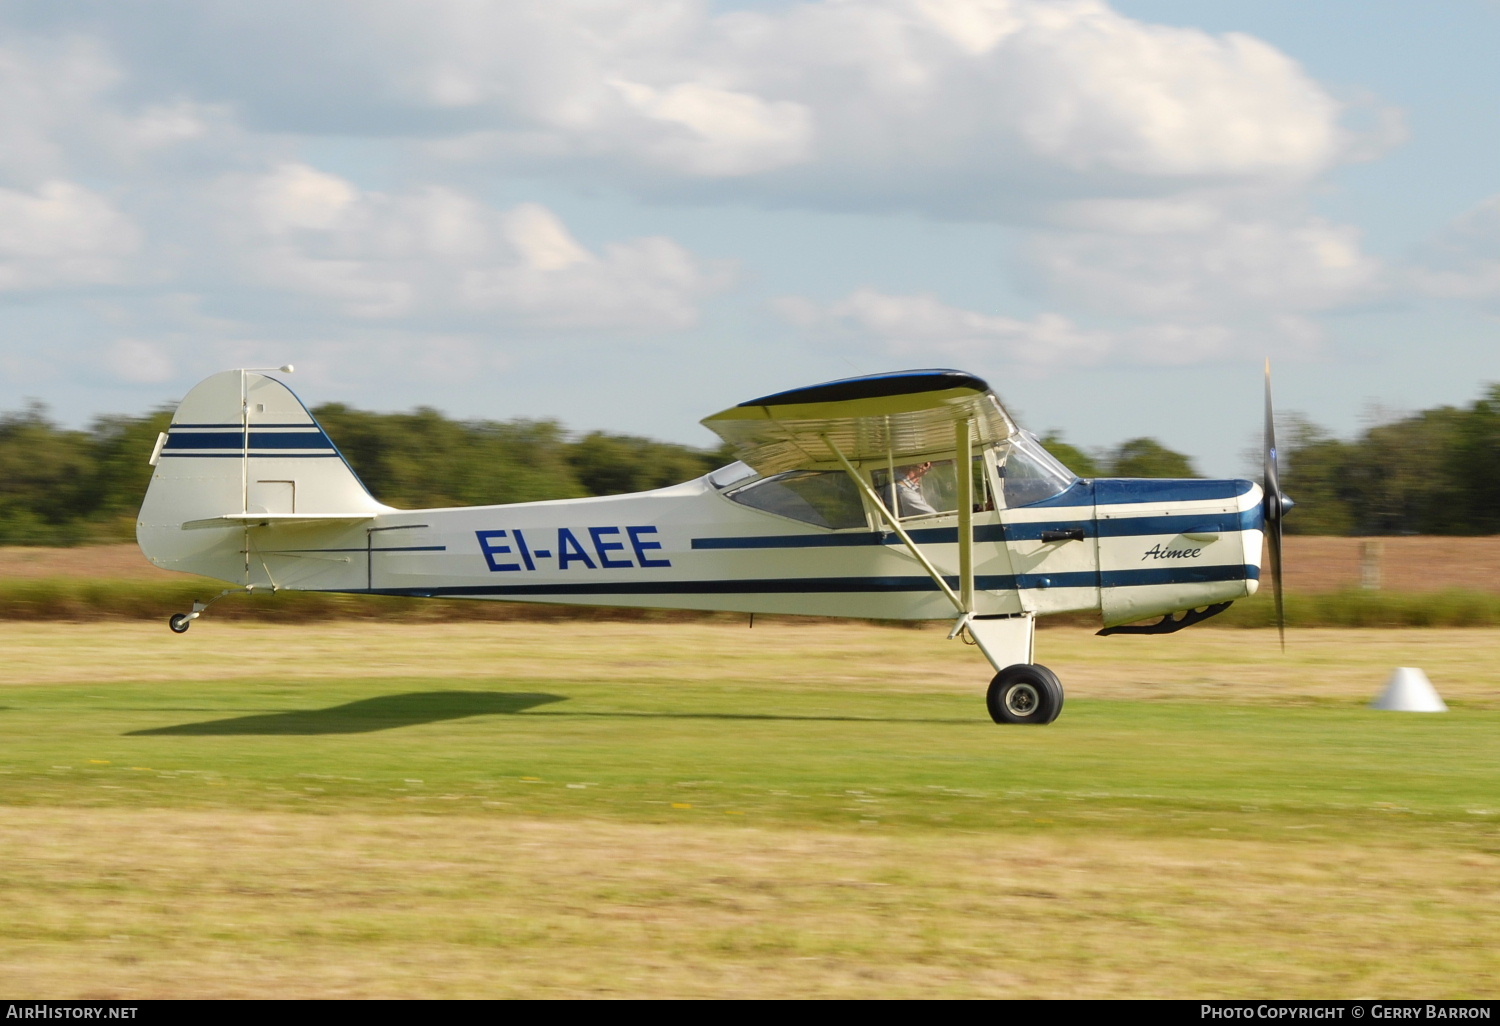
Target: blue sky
628 215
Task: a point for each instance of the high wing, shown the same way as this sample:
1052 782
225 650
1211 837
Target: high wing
881 416
885 417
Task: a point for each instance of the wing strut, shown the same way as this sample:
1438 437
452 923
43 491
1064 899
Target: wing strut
964 460
895 525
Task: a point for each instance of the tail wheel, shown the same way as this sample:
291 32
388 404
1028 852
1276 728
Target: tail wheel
179 622
1025 693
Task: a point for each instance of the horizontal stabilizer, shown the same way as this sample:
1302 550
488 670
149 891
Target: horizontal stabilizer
268 519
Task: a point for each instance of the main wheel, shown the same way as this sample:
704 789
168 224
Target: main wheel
179 622
1025 693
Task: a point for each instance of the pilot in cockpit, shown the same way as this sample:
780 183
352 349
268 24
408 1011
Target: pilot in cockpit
910 499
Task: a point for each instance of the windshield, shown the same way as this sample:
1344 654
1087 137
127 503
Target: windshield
1028 472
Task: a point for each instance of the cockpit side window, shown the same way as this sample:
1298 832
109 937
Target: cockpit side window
929 488
821 498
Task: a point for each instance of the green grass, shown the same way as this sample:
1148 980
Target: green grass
1355 607
634 750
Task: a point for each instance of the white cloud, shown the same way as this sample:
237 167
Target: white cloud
718 132
46 90
140 361
62 234
922 329
944 106
436 254
60 112
925 329
1135 216
1104 92
541 240
958 107
1225 270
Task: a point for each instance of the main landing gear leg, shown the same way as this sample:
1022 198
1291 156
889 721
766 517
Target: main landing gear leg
1022 691
180 622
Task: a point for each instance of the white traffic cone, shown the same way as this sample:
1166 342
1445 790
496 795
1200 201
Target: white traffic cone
1409 690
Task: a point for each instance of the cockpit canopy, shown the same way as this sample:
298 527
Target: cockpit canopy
899 432
1015 472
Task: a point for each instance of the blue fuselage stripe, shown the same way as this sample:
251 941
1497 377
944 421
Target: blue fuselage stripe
395 548
1130 527
1124 527
807 585
1115 491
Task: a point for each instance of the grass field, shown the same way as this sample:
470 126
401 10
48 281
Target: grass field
652 809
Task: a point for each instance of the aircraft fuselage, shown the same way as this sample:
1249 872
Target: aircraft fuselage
1129 548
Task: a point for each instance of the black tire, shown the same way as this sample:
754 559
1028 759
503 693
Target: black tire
179 623
1025 693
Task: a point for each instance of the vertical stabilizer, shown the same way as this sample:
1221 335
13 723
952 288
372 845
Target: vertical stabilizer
239 443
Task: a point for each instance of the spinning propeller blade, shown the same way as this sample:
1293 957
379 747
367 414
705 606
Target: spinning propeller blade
1275 505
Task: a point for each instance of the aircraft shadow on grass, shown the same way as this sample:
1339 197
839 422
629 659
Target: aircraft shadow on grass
369 714
391 711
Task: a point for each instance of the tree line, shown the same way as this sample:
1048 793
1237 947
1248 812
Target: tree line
1433 472
1139 457
68 487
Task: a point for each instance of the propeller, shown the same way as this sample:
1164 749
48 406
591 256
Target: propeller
1275 505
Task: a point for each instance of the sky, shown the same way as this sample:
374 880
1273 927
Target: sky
629 214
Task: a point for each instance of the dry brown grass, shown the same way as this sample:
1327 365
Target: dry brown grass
1203 663
110 904
1416 564
116 562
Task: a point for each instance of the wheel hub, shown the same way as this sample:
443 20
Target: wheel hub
1021 700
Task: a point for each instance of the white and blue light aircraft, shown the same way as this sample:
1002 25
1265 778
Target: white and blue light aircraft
911 495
